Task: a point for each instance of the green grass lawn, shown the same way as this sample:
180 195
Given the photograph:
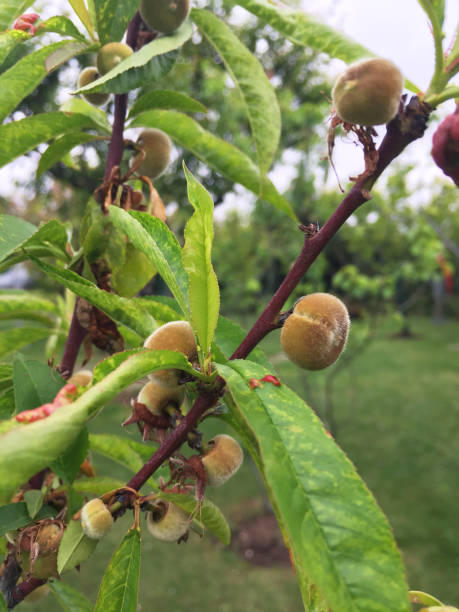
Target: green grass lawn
396 412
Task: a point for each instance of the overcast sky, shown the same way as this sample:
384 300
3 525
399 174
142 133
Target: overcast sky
395 29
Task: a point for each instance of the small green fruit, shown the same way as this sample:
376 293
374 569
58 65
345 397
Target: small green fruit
88 76
167 522
111 54
134 274
96 519
47 544
157 397
315 334
368 92
164 15
157 147
222 460
173 336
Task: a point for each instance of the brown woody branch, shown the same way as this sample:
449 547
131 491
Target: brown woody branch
408 125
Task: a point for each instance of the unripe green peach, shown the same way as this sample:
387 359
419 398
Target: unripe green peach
173 336
157 397
88 76
222 460
157 147
111 54
315 334
96 519
368 92
167 522
164 15
82 378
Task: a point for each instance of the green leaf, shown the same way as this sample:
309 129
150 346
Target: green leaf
208 514
166 98
113 18
13 233
110 363
153 238
24 305
339 537
15 516
97 486
7 404
9 40
83 107
217 153
70 599
28 448
60 147
435 10
162 313
66 52
19 137
118 308
61 25
35 383
67 465
229 335
303 30
118 590
197 261
80 9
75 547
147 65
10 9
3 606
14 339
118 449
22 78
247 73
34 501
419 597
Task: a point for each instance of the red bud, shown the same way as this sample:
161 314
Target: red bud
445 149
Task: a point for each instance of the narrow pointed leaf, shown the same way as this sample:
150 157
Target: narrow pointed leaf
27 449
59 148
69 598
83 107
61 25
34 501
19 137
228 336
215 152
35 383
75 547
110 363
117 449
153 238
10 9
161 312
9 40
67 465
197 260
21 79
13 339
165 98
113 18
97 486
247 73
66 52
13 233
81 10
15 516
332 522
118 308
148 64
435 10
120 584
25 305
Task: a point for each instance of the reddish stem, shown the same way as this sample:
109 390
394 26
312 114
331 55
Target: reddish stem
405 128
23 589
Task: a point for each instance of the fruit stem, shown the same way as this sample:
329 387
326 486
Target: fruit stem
115 153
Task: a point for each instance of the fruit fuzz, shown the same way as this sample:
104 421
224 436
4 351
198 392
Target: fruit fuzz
96 519
167 522
164 16
88 76
368 92
173 336
111 54
157 397
445 146
157 146
315 334
222 460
